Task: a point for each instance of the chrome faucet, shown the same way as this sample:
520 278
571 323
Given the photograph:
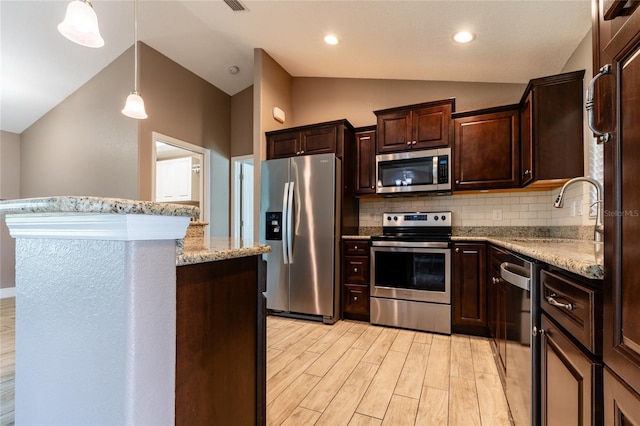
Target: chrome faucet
598 231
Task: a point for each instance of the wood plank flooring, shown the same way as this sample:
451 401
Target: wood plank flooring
351 373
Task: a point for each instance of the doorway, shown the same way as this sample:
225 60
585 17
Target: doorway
242 197
180 174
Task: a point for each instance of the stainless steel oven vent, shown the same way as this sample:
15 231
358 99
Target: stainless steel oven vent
235 5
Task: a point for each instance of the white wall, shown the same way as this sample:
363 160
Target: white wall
9 189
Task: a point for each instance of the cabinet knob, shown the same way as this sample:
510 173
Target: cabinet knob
408 142
413 143
527 172
355 247
355 298
457 182
301 152
373 187
297 152
457 250
535 331
355 270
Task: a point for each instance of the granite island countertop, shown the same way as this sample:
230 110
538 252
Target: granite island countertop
220 248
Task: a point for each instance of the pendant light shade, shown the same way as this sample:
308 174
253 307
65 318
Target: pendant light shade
134 107
80 24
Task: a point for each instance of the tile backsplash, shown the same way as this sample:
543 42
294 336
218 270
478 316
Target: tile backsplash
518 208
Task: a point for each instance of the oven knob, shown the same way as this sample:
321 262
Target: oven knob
436 218
389 218
395 218
443 218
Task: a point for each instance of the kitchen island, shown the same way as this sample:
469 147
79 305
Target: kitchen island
113 327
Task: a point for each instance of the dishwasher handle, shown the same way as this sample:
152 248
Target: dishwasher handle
516 275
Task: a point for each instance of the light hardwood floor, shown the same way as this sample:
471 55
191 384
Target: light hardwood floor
351 373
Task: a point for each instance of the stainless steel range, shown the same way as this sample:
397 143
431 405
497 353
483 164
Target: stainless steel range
411 272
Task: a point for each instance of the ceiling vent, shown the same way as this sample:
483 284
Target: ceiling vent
235 5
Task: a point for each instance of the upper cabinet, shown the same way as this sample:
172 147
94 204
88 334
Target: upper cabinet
420 126
551 130
320 138
486 149
365 145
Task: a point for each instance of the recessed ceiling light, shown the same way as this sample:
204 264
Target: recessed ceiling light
331 39
463 37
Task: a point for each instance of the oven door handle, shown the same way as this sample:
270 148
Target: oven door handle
410 244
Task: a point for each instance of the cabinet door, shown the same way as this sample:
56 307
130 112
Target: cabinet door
356 299
622 202
487 151
569 380
283 145
394 131
469 286
621 404
174 179
430 127
365 162
356 269
526 140
319 140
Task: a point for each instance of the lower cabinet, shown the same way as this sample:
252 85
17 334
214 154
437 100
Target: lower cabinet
221 343
355 280
621 403
570 382
469 299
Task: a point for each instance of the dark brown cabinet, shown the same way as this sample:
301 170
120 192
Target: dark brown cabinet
551 129
570 380
355 279
420 126
221 343
497 306
469 301
617 42
571 343
621 404
365 144
486 149
323 138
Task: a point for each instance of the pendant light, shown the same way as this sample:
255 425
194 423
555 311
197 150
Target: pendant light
134 107
80 24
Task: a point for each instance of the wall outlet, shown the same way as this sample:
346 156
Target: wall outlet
497 214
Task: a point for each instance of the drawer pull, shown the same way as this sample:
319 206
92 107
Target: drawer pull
355 247
355 270
355 298
552 301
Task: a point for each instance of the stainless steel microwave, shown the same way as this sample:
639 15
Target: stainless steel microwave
414 171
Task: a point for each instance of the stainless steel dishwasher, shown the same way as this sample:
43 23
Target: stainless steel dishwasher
523 344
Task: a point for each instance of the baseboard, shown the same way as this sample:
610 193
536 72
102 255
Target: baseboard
7 292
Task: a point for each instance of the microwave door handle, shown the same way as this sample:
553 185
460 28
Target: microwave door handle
285 233
435 170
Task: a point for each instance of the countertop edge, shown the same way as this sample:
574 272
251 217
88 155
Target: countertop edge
214 255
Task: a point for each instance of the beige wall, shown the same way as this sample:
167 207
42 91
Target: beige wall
9 189
242 123
324 99
85 146
184 106
271 88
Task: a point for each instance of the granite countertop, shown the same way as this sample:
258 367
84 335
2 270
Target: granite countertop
74 204
220 248
582 257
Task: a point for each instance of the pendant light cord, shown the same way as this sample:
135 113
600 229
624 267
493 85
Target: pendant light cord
135 44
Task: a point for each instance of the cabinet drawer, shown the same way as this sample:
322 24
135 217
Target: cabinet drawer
356 270
356 247
573 306
356 299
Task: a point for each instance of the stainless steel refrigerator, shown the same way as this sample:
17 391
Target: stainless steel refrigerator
300 220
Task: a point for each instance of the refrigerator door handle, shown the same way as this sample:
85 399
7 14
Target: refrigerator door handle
285 225
290 223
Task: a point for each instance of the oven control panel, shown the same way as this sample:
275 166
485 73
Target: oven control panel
417 219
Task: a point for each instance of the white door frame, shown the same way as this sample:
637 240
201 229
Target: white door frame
205 168
235 193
